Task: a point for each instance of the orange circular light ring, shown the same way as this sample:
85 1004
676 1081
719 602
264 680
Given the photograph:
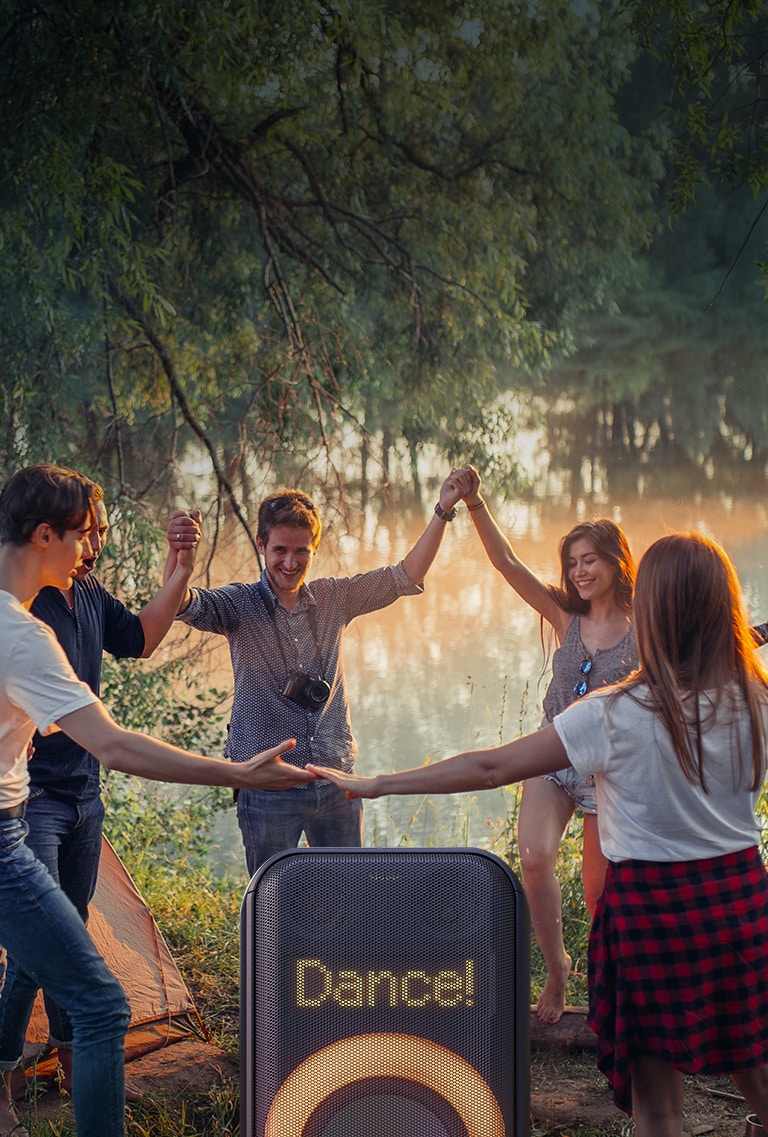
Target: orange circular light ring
384 1055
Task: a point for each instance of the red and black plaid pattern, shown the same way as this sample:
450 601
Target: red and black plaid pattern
678 967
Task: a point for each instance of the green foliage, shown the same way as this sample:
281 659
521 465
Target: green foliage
199 914
152 822
268 222
151 825
293 229
213 1113
674 368
713 57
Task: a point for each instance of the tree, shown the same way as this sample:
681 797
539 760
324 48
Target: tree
266 225
713 54
678 368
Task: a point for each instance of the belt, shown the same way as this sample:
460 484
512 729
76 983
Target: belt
14 811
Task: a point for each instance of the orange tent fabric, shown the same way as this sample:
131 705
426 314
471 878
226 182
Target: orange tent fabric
124 931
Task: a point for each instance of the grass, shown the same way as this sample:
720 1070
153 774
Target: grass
557 1068
213 1114
198 914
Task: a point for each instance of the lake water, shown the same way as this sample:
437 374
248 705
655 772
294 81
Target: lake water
461 666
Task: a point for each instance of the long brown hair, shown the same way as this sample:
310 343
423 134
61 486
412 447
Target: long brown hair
611 544
693 636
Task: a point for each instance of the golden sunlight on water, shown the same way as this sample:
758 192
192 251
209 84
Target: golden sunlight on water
462 665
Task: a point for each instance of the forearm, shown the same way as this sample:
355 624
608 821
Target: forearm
474 770
158 614
541 752
497 546
132 752
147 757
183 534
516 573
144 756
418 561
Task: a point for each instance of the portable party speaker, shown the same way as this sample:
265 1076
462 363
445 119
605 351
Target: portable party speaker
384 992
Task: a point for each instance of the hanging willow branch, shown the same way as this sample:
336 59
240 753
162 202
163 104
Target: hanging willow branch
177 393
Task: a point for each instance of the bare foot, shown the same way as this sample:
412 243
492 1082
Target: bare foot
551 1002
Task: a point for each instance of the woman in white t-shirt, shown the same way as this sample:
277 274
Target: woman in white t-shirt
678 968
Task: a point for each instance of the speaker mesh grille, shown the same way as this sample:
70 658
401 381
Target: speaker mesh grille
380 994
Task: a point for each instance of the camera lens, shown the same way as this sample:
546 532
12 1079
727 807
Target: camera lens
317 691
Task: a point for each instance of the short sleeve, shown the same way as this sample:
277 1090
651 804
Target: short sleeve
123 631
43 684
583 729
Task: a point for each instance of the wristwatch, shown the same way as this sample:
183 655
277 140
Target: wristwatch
442 513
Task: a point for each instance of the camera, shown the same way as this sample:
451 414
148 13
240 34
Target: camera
308 690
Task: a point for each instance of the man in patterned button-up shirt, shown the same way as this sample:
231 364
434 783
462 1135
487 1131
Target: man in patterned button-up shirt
283 626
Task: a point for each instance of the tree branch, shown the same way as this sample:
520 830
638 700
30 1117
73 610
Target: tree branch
179 395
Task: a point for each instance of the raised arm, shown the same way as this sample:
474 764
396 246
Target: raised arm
541 752
146 757
504 558
158 614
418 561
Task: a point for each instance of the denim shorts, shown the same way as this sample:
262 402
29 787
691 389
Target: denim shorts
581 791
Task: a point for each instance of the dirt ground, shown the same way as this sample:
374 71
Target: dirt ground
566 1090
176 1073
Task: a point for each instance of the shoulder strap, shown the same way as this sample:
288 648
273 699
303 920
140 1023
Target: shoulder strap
269 604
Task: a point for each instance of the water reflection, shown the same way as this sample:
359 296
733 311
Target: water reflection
461 666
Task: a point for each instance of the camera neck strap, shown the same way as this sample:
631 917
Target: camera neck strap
270 606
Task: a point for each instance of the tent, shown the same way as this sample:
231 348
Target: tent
122 927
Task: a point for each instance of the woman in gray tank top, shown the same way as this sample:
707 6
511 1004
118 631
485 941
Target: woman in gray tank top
590 615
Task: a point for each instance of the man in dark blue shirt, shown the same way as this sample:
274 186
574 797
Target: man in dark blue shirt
65 811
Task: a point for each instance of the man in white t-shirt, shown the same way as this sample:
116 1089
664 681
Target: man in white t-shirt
45 517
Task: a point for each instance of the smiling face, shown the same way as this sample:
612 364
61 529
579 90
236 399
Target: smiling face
591 574
288 555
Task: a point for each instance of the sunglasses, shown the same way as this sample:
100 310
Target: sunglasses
582 686
300 498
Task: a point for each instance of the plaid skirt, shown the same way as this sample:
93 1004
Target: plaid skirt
678 967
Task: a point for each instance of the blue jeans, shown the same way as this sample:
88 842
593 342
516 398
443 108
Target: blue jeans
272 821
41 928
66 838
